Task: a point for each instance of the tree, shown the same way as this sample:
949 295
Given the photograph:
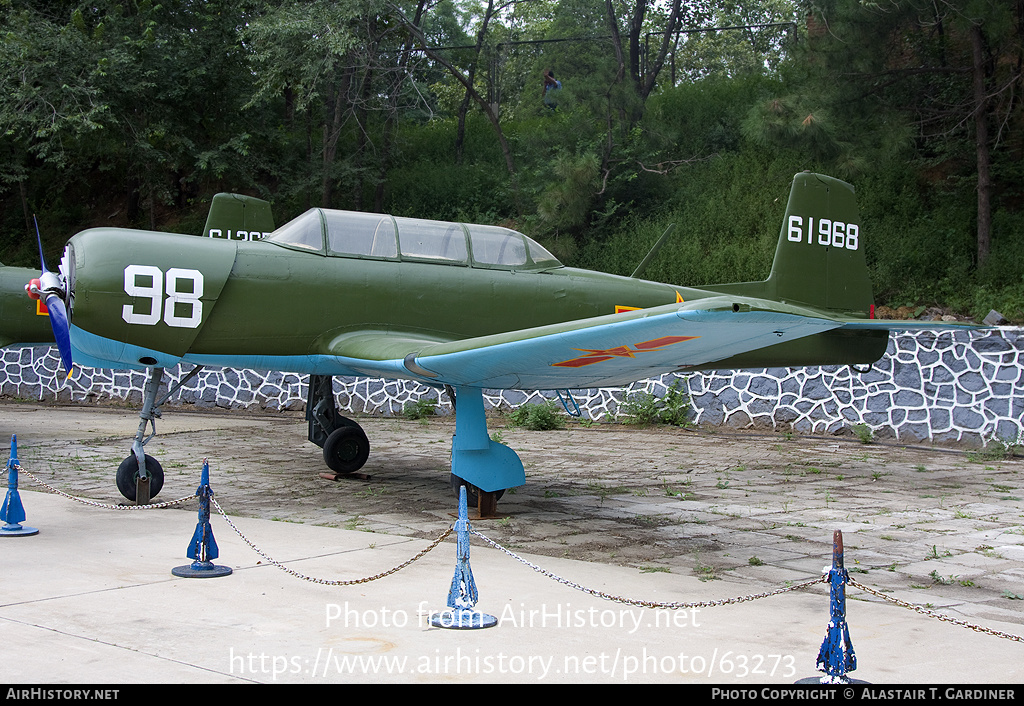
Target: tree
951 68
757 37
633 60
50 101
123 89
466 79
311 55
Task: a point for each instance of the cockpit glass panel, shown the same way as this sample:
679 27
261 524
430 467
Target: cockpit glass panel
304 232
361 234
540 256
497 247
432 240
374 235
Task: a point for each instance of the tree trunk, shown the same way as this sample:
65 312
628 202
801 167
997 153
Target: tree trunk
981 145
486 107
387 148
24 206
460 137
331 132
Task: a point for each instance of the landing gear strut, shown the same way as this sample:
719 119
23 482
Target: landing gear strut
140 477
483 465
344 442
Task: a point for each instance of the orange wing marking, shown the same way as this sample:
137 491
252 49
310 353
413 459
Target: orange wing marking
597 355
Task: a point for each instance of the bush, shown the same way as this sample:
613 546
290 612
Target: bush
864 433
674 408
640 408
537 417
420 409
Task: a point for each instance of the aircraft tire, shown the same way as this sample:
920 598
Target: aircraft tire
346 449
128 474
472 492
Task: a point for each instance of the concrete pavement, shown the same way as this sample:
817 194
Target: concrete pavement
91 599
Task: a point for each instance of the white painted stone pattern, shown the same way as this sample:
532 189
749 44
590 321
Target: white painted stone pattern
966 387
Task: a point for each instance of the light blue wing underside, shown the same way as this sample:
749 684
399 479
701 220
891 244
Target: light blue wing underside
602 352
618 354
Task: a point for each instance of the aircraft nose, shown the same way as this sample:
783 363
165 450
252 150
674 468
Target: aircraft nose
67 271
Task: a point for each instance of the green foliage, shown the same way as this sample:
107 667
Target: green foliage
864 433
673 408
565 205
537 417
640 408
134 114
792 123
727 211
420 409
732 54
676 405
425 181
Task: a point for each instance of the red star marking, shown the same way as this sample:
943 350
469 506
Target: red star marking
597 355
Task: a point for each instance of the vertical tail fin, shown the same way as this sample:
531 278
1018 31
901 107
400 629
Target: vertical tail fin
239 217
820 257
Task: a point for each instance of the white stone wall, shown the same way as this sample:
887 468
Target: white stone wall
964 387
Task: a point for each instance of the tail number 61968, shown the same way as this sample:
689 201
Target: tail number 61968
834 233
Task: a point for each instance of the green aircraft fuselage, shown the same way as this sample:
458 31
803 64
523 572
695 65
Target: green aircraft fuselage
261 299
23 321
364 286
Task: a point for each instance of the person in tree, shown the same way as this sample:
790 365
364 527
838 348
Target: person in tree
551 88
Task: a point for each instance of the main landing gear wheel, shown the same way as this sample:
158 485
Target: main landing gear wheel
472 492
128 475
346 449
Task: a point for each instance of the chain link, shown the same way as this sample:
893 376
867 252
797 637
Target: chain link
599 594
933 614
328 582
648 604
151 506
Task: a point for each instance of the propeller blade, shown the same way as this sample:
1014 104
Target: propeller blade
49 289
61 329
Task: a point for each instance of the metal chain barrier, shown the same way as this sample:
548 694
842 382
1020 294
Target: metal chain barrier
647 604
599 594
151 506
933 614
170 503
328 582
742 599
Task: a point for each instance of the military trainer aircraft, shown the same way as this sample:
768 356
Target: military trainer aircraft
456 306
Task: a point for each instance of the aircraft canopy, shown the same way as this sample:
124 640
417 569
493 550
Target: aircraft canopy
379 236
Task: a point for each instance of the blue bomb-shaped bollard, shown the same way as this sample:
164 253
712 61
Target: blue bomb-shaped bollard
462 596
12 513
836 657
203 547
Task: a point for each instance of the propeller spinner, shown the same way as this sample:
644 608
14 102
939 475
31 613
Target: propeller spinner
50 289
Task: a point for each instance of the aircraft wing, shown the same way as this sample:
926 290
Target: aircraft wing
909 325
604 351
